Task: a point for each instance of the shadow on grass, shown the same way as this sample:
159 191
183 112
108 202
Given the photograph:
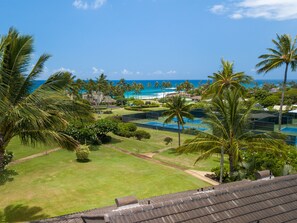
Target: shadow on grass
114 141
83 161
20 213
7 176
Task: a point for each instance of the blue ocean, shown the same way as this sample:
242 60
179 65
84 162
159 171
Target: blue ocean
150 91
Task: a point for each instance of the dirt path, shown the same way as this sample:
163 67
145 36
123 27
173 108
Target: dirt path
34 156
148 156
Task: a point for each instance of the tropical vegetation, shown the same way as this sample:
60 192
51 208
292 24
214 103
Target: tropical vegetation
283 53
178 108
35 116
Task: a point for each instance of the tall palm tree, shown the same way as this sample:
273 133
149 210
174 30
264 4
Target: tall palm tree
35 116
177 107
229 119
283 53
226 78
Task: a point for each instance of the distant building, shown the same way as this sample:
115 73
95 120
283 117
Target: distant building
95 98
273 90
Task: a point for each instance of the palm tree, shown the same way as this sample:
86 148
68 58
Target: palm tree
226 78
229 119
177 107
284 53
37 116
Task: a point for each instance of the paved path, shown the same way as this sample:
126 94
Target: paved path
148 156
33 156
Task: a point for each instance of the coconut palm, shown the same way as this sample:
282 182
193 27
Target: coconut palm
229 119
226 78
35 116
177 107
283 53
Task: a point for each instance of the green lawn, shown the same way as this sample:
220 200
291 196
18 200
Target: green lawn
188 160
56 184
148 145
21 151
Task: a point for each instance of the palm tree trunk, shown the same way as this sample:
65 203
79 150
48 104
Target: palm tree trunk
178 126
2 151
222 165
231 165
282 99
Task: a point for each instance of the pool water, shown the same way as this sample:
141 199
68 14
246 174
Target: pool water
289 129
174 126
186 120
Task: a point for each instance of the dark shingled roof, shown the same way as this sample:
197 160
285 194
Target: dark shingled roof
265 201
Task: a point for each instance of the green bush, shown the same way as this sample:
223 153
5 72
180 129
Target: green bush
82 153
217 172
141 134
168 140
85 134
104 126
106 139
270 101
8 156
191 131
138 102
126 129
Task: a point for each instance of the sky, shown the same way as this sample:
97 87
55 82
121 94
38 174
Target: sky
151 39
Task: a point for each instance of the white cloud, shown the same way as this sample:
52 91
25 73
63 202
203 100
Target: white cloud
171 72
62 69
84 4
267 9
97 71
218 9
126 72
158 72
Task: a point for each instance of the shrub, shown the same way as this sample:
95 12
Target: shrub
83 134
82 153
107 112
168 140
138 102
8 156
191 131
270 101
104 126
141 134
106 139
126 129
217 171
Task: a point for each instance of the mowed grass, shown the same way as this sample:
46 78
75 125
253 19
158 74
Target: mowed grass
57 184
156 142
19 150
188 160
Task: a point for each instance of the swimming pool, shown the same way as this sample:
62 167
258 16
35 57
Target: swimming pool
174 126
186 120
289 130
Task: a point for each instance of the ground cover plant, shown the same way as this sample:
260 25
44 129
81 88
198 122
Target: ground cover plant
69 186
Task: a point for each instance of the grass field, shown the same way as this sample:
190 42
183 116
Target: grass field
57 184
188 160
21 151
156 142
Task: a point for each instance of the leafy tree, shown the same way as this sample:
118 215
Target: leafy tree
141 134
102 84
177 107
227 79
270 101
283 53
36 116
168 140
104 126
228 118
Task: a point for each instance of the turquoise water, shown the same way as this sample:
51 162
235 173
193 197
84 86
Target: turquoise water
289 130
151 92
173 126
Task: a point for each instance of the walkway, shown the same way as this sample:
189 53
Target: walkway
149 156
34 156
